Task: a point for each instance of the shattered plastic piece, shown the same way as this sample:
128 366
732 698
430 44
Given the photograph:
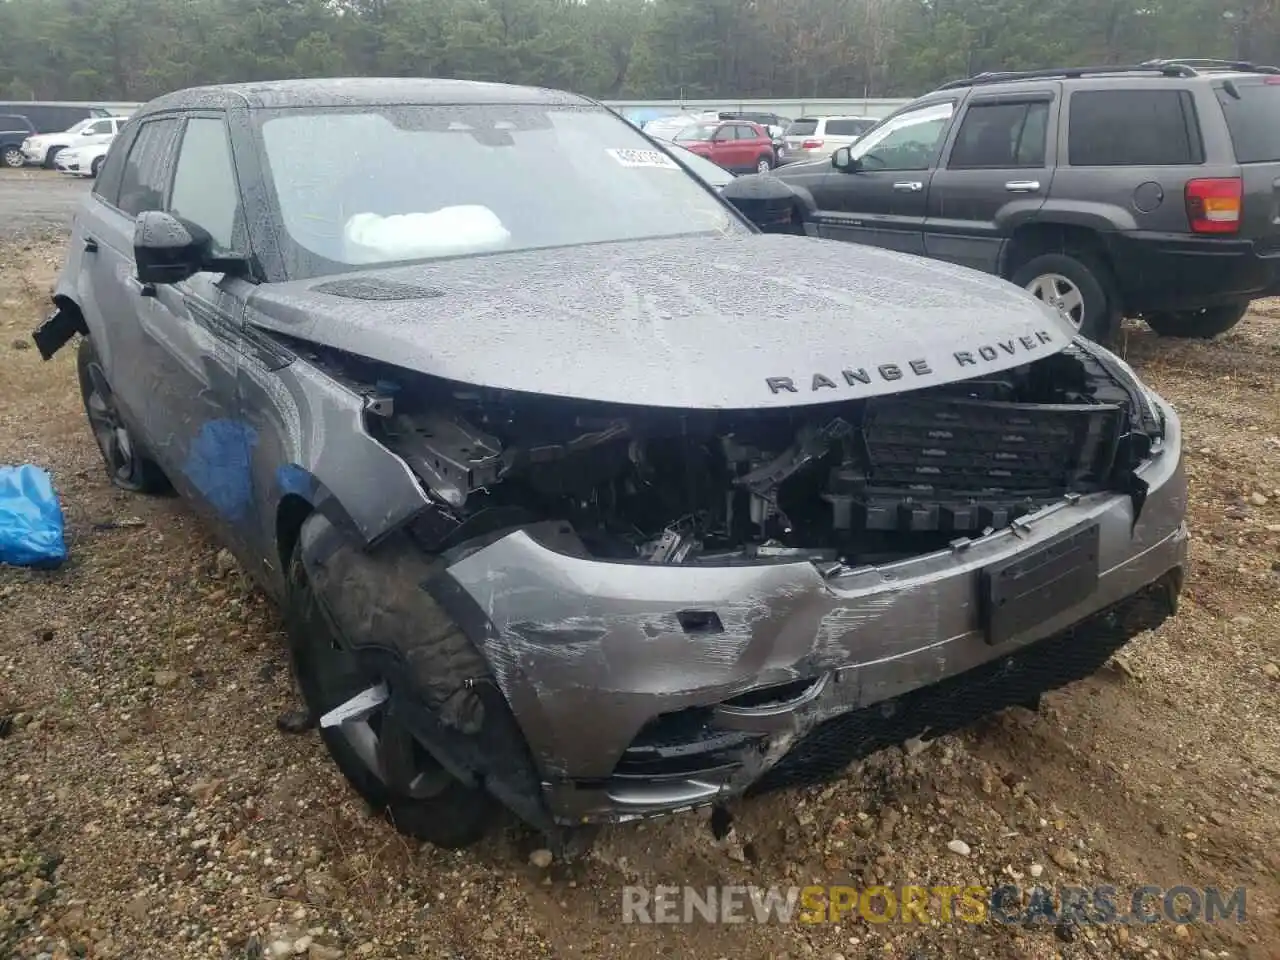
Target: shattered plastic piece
357 707
30 519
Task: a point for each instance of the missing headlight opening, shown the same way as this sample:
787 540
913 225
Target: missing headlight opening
850 483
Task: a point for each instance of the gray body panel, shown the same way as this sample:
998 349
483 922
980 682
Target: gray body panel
691 323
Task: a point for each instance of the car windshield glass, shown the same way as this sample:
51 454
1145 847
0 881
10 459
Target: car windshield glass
702 131
905 142
79 126
802 128
417 183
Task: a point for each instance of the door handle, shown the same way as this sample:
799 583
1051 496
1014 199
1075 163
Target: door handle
142 289
90 245
909 186
1022 186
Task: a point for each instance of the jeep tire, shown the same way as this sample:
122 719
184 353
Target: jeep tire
1099 315
1203 324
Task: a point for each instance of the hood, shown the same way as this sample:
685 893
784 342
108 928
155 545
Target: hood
750 321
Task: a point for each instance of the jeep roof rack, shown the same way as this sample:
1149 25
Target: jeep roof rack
1170 69
1209 65
1167 67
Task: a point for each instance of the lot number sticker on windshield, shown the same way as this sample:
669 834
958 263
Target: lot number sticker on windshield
643 158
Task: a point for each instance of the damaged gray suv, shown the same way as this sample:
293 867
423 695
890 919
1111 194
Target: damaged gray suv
580 495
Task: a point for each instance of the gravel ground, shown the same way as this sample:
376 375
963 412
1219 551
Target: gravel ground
35 200
150 809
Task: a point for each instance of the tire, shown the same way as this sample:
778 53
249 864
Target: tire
12 157
95 167
764 164
51 156
454 815
127 466
1203 324
1094 314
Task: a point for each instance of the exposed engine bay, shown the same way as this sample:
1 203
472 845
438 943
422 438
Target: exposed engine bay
855 482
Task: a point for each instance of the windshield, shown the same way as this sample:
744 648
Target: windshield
701 132
802 128
424 182
79 126
909 141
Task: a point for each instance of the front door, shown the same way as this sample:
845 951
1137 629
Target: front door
192 338
994 178
882 199
108 287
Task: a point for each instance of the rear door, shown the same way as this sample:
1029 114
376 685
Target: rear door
883 202
996 175
724 145
115 307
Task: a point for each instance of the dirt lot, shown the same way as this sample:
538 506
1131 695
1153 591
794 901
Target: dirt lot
150 809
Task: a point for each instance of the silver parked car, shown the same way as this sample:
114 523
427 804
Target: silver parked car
570 503
814 138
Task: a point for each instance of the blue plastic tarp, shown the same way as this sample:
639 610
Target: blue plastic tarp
30 519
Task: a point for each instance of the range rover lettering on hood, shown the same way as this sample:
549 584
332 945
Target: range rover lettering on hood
919 367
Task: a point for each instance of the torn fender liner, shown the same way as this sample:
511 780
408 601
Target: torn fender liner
52 335
375 598
440 683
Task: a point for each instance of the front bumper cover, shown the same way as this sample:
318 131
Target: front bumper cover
646 689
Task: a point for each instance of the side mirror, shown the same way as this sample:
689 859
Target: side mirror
766 201
844 161
168 250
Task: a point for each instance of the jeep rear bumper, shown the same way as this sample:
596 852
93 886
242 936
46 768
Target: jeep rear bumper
1171 272
645 689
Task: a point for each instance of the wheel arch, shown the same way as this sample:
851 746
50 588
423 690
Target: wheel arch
1033 239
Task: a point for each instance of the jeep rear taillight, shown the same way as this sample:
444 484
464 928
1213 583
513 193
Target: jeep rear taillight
811 145
1213 206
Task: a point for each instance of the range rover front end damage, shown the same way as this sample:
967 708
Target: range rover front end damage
609 612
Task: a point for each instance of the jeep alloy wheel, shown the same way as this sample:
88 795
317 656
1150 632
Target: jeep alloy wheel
1061 294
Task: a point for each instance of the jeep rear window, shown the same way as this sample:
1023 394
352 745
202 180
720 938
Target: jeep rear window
1139 128
1253 119
802 128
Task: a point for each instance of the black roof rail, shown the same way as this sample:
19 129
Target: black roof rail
1203 64
1170 69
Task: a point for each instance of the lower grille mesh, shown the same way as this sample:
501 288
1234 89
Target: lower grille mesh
961 464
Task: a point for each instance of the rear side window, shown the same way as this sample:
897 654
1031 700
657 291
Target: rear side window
747 133
1001 135
845 128
1117 128
143 181
1253 117
802 128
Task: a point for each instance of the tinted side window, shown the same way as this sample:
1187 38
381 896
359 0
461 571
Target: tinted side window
142 184
107 184
747 133
1253 118
843 128
1133 128
204 182
1001 135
